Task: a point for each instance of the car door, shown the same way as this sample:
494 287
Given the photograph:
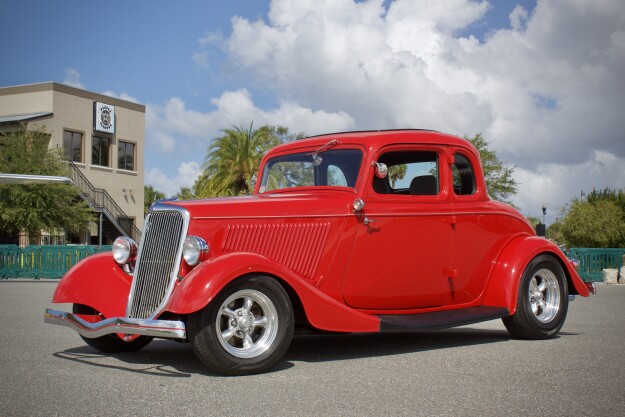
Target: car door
403 245
479 233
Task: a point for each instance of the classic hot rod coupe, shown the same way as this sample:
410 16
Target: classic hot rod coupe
379 231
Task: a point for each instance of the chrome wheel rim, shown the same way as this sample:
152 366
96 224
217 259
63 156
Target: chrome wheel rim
544 295
247 324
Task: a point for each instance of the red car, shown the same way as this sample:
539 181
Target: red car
389 231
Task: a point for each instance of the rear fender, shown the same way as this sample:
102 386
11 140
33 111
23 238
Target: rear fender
202 284
504 282
96 282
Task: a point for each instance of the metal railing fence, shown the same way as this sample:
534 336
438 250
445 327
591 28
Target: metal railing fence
42 261
594 260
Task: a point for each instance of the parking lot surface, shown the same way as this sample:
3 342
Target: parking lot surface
474 370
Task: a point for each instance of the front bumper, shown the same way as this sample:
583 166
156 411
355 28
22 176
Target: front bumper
167 329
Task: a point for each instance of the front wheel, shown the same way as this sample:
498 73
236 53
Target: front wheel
246 329
542 301
110 343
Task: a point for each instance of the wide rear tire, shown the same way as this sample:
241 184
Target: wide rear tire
542 300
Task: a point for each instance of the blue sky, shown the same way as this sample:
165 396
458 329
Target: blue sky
542 81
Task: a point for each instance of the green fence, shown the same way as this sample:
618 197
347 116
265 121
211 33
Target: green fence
593 261
42 261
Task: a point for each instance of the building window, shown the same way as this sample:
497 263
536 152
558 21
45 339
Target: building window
126 156
100 151
72 146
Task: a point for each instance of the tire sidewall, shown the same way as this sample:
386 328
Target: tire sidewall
202 329
552 327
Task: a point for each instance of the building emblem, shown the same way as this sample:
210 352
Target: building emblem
104 118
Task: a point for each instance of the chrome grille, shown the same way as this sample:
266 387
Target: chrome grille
158 261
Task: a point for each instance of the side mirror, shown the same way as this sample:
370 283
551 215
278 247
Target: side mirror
254 179
381 170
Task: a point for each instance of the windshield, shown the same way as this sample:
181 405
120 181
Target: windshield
337 167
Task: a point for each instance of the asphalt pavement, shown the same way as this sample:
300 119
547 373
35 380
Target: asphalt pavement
476 370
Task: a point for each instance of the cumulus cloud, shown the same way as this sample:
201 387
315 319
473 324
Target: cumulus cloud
561 182
72 78
187 173
122 96
167 124
547 91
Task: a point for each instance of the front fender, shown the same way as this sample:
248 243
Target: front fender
202 284
96 282
506 275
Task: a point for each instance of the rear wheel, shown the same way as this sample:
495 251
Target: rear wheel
542 301
110 343
246 329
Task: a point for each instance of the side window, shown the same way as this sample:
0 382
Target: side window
336 176
409 173
463 174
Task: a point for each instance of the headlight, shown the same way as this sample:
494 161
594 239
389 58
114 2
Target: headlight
124 250
194 250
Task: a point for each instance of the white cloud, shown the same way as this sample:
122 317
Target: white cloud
72 78
555 184
188 172
546 92
171 123
122 96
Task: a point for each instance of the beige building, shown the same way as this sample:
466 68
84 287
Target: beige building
103 137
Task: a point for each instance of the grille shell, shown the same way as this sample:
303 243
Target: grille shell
158 261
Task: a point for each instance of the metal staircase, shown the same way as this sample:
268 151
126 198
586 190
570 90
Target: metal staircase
101 201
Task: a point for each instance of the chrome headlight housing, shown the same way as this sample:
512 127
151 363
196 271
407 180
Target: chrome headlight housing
124 250
194 250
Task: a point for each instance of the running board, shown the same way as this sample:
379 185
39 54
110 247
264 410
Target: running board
437 320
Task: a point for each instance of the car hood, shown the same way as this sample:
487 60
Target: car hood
303 203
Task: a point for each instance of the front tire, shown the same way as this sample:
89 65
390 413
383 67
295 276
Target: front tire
110 343
245 330
542 301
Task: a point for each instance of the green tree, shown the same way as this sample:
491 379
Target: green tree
150 196
499 181
554 232
533 221
597 222
185 193
594 224
234 157
37 207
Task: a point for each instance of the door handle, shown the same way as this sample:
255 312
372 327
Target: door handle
368 221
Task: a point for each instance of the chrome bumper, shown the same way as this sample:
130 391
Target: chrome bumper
167 329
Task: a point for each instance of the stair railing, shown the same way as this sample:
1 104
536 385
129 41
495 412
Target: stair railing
101 200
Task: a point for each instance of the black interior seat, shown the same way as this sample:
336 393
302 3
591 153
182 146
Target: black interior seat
423 185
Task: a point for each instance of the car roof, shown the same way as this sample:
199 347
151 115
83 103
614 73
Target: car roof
377 139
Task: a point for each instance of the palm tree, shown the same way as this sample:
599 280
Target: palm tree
150 197
396 172
233 158
185 193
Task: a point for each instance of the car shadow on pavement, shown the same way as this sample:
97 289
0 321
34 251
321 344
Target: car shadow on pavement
322 348
163 358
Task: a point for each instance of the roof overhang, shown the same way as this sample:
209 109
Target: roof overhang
33 179
24 117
